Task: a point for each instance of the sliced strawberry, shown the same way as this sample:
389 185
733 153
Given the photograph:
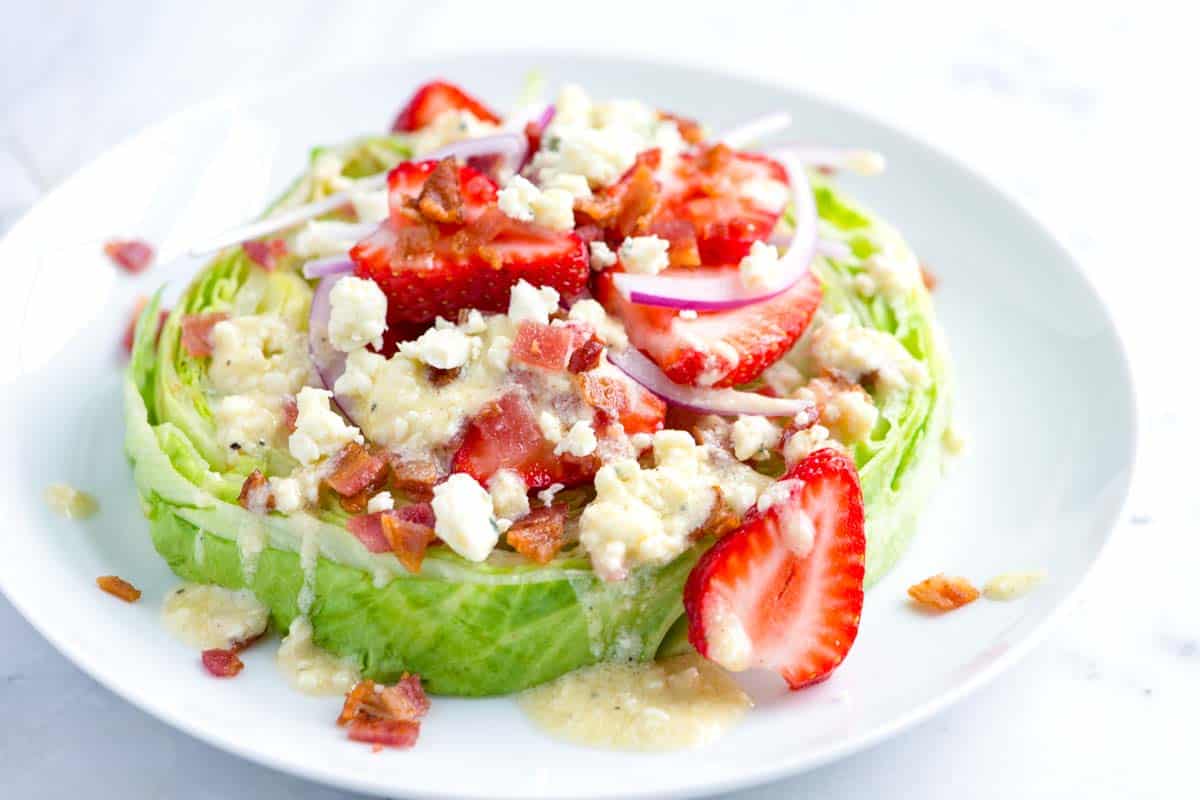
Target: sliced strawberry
434 98
428 268
505 435
719 348
785 590
708 189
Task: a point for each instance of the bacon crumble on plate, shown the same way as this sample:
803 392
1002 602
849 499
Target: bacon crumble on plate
119 587
131 255
943 593
385 716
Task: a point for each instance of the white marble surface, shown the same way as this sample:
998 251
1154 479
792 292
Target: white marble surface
1086 110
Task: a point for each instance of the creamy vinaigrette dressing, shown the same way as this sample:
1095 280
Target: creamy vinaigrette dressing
308 668
212 616
680 702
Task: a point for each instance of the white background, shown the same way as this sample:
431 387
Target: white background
1087 111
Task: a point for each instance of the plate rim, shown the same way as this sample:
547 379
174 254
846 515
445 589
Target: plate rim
750 776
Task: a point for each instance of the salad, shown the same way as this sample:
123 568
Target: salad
486 400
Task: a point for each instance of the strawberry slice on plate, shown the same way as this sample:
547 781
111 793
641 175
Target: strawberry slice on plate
717 348
447 246
731 199
434 98
785 590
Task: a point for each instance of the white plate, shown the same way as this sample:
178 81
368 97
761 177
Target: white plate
1044 396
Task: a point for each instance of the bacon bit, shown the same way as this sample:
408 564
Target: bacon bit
291 412
721 520
943 593
408 540
441 199
131 328
385 715
255 496
221 663
440 377
539 535
715 158
689 129
684 250
368 530
546 346
419 513
131 255
196 332
396 733
355 470
587 356
119 587
625 206
266 254
414 478
927 277
355 503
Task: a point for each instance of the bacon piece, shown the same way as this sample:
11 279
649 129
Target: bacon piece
624 208
356 470
587 356
414 478
441 199
943 593
119 587
539 535
440 377
385 715
419 513
355 503
927 277
689 129
408 540
368 530
721 520
715 158
221 663
266 254
255 495
131 255
196 332
131 328
684 249
545 346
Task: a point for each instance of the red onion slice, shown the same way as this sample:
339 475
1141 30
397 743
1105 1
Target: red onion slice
327 360
324 267
756 129
721 290
727 402
862 162
510 145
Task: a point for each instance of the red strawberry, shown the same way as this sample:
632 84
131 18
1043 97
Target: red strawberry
718 348
705 188
432 99
785 590
505 435
430 268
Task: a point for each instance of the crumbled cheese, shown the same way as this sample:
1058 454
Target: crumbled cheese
516 199
357 314
546 496
767 193
358 377
370 205
641 441
1013 585
645 516
288 494
463 510
246 422
381 502
533 303
449 127
850 415
760 268
321 238
753 436
644 255
892 273
580 441
475 323
608 329
70 502
498 353
555 209
510 498
576 185
803 442
320 431
688 313
550 426
783 377
728 643
602 256
855 351
258 353
865 285
444 348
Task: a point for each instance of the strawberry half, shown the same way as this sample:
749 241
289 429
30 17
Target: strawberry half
785 590
448 247
713 192
718 348
435 98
